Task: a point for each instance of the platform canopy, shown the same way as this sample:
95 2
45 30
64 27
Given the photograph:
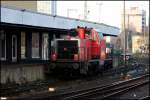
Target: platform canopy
25 17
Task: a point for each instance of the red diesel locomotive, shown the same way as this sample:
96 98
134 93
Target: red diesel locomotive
82 49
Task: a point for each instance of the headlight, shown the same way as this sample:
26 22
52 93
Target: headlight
75 57
54 57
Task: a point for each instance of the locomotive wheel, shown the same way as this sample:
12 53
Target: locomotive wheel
90 71
93 68
96 70
73 73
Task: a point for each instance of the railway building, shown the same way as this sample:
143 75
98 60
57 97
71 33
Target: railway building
25 41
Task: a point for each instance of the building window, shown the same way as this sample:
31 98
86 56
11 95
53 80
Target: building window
45 46
2 45
143 19
35 45
142 30
23 45
14 47
143 22
142 26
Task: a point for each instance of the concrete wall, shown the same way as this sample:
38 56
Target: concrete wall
21 73
29 5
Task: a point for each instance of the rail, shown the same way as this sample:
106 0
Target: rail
120 90
101 89
145 98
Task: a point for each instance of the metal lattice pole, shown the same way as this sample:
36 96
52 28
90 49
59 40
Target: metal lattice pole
124 35
100 4
85 10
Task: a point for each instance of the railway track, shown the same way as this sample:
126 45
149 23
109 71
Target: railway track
105 92
98 92
121 90
19 89
145 98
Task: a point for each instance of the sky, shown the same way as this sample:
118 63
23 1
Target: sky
108 13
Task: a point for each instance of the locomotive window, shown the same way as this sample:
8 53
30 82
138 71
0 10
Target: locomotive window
94 36
88 34
101 35
73 32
